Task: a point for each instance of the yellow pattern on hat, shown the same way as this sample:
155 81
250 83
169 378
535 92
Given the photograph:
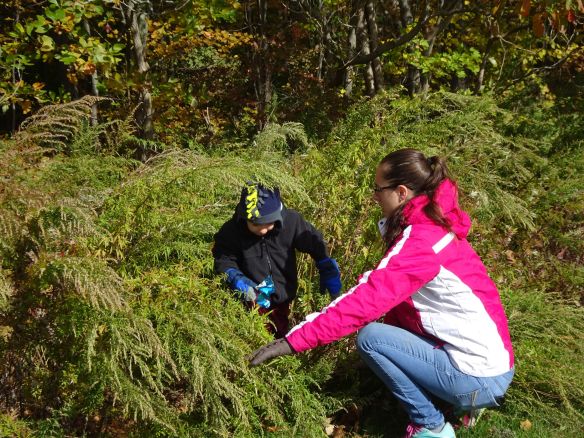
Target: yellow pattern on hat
251 202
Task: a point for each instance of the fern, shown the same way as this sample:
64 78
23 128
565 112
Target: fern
288 137
55 126
6 291
112 321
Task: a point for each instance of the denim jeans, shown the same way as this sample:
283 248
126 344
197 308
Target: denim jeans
413 367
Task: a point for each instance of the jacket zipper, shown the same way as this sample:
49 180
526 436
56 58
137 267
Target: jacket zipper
265 246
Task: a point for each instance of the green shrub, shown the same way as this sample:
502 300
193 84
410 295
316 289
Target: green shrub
112 321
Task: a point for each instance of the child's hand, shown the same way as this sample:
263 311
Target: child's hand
241 284
247 293
330 276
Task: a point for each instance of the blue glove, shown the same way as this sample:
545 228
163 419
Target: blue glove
239 282
265 289
330 276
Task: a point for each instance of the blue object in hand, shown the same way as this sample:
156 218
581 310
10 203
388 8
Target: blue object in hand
265 289
330 276
239 282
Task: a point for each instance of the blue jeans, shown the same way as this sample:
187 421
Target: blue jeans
413 367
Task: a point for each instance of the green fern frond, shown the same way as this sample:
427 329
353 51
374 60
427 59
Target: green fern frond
60 229
287 137
169 209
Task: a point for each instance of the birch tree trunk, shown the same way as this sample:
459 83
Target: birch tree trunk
92 83
352 42
137 20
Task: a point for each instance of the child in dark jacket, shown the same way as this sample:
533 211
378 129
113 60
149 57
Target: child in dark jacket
256 249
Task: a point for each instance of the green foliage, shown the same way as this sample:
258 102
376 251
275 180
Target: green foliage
547 338
288 137
112 321
527 210
118 320
14 428
168 211
58 32
6 291
460 61
490 167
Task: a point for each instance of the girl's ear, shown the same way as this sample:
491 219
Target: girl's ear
403 193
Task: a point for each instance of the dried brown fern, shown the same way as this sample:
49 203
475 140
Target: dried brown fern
53 126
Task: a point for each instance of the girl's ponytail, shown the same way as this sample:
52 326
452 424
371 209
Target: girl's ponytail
438 173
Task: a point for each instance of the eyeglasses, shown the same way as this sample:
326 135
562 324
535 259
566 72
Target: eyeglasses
378 189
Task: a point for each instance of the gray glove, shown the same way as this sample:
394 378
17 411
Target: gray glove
279 347
249 295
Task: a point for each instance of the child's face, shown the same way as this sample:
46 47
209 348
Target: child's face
260 229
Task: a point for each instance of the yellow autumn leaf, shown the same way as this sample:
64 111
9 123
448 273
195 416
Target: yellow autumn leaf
525 425
26 106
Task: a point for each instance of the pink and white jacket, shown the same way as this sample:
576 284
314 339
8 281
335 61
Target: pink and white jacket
430 282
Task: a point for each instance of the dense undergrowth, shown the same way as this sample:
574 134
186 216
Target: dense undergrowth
112 322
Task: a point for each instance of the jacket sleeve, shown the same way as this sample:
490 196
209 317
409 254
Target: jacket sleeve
307 238
405 268
225 251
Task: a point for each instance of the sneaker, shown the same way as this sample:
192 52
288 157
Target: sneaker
415 431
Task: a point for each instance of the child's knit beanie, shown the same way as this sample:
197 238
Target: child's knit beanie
261 205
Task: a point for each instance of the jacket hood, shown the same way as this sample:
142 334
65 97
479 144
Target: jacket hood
446 196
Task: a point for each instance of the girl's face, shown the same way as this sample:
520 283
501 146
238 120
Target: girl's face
389 198
260 229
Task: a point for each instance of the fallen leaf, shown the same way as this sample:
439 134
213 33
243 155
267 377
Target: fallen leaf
525 425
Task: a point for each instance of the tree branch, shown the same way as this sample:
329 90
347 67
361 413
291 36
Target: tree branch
390 45
407 37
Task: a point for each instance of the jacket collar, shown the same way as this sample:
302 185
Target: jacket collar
446 196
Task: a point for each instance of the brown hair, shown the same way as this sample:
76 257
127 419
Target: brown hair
422 175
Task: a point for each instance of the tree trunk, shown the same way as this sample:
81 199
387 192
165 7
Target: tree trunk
322 44
413 75
481 75
372 28
92 83
137 17
363 36
262 69
350 70
353 41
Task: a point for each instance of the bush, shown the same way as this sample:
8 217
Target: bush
112 321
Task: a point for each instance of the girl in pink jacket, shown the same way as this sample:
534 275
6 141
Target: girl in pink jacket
444 330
